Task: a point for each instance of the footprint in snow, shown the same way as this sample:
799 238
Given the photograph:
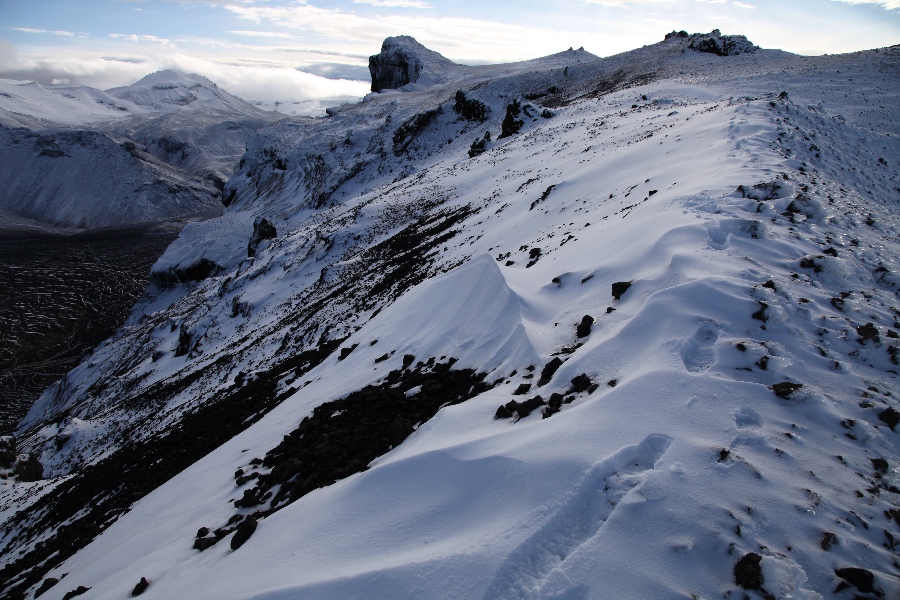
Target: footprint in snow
699 352
532 571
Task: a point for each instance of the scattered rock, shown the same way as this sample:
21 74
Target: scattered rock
522 389
880 465
410 130
480 146
581 383
584 328
45 585
554 405
786 388
512 124
29 468
890 417
760 315
619 288
345 352
861 579
243 532
748 572
7 451
408 360
867 332
721 45
76 592
469 108
549 370
203 532
828 541
382 358
262 230
141 587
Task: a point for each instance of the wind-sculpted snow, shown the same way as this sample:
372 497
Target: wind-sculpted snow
712 270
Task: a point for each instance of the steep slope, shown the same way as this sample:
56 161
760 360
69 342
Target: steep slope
639 342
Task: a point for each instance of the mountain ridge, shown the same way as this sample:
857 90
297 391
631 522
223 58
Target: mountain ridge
686 237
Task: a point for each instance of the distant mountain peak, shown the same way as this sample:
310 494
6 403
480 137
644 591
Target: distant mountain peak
403 61
172 76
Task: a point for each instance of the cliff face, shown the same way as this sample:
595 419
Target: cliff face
402 61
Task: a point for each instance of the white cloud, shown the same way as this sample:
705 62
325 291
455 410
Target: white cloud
888 4
264 34
395 3
463 39
742 5
130 37
51 32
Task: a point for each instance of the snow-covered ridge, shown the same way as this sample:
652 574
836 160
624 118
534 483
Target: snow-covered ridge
703 247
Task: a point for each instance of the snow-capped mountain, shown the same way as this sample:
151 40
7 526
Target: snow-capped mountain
578 327
159 149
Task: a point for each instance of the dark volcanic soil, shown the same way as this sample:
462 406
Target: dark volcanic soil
61 295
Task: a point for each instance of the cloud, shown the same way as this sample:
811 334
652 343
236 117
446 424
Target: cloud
742 5
888 4
130 37
395 3
251 80
463 39
265 34
51 32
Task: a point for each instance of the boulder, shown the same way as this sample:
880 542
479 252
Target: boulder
7 451
29 468
243 533
263 229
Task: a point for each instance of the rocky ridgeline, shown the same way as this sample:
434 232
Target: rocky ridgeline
402 61
715 43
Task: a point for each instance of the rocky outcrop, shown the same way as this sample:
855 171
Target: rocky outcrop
715 43
262 230
402 61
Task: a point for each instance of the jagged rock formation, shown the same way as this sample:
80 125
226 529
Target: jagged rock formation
402 61
715 43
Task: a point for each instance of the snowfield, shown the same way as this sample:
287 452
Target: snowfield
643 345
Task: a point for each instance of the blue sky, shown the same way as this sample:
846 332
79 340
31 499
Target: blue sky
280 49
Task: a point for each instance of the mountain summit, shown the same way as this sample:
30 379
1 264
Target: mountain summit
403 61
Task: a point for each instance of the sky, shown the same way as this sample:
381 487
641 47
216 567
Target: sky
317 50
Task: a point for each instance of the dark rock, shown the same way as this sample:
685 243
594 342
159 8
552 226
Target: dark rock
408 360
469 108
760 315
525 408
29 468
581 383
382 358
676 34
889 417
45 585
721 45
748 572
554 405
512 124
345 352
619 288
811 262
828 541
203 532
861 579
880 465
584 328
141 587
204 543
506 411
480 146
522 389
785 389
546 114
7 451
243 532
867 332
76 592
263 229
402 61
549 370
769 284
184 342
410 130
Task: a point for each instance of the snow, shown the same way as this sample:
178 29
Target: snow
654 484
